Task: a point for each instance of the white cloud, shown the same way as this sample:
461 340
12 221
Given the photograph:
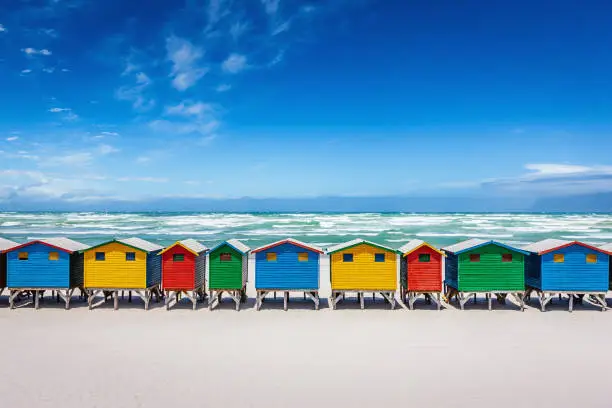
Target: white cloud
277 59
26 71
105 149
12 138
185 58
206 140
144 179
34 51
143 159
110 133
173 128
73 159
3 29
50 32
558 169
57 110
238 29
65 70
190 108
49 70
136 93
271 6
223 88
281 28
217 9
234 63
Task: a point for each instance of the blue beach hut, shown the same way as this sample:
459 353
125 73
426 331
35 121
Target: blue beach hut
556 267
48 264
287 266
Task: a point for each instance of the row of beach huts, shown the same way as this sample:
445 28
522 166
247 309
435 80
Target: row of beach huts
458 272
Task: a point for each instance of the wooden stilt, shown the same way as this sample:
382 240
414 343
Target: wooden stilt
36 300
115 299
361 304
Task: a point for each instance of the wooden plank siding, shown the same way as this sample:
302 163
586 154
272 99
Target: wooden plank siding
115 271
38 271
182 275
154 272
575 274
423 276
491 274
226 274
363 273
2 270
287 272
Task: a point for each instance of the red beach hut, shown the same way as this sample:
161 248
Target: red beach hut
421 272
184 271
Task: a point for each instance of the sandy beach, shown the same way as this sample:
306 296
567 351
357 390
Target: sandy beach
300 358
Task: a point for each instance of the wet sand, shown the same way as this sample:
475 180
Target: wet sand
303 358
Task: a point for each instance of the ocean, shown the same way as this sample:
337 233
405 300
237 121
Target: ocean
324 229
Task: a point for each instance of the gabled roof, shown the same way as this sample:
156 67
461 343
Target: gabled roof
234 243
190 245
545 245
549 245
62 244
6 244
606 247
292 242
474 243
415 244
136 243
355 242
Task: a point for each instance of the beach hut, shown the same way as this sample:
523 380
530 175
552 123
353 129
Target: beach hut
608 249
362 266
5 245
53 264
421 272
131 264
228 272
558 267
486 267
184 271
287 266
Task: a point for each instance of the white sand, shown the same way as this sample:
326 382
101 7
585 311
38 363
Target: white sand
353 358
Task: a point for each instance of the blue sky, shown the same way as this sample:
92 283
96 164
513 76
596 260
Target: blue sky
140 100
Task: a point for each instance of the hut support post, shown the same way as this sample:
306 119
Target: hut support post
261 294
115 299
66 295
390 298
12 295
361 303
314 296
600 299
571 302
145 295
36 300
489 300
285 300
335 298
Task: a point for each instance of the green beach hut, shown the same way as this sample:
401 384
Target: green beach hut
228 272
477 266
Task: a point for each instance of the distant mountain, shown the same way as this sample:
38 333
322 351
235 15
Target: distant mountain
601 202
319 204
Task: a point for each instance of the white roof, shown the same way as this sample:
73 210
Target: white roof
238 245
6 244
340 247
141 244
410 245
545 245
194 245
290 241
460 246
65 243
606 247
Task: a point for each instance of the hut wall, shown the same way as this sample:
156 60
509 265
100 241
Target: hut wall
2 270
575 274
424 276
451 271
76 269
533 271
287 272
200 269
491 274
154 268
178 275
363 273
38 271
225 274
115 271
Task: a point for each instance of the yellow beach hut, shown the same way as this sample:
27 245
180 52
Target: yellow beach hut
362 266
131 264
